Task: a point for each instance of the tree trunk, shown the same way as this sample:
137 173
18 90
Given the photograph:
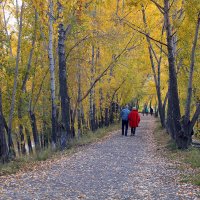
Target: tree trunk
101 107
12 107
156 78
173 99
187 126
65 103
79 97
3 144
30 149
52 73
34 129
91 99
106 117
189 93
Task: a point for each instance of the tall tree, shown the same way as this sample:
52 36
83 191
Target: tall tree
65 104
52 72
12 107
3 144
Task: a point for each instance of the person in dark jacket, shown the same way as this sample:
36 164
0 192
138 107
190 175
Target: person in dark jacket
124 115
134 120
151 111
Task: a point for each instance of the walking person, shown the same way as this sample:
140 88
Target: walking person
134 120
151 111
124 115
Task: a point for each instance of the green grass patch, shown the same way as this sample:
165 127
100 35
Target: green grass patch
29 161
192 156
43 155
189 157
191 179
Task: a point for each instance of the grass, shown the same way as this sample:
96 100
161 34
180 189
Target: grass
29 162
189 158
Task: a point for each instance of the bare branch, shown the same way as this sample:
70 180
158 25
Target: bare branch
40 89
195 117
117 90
105 70
80 41
171 4
160 8
142 32
162 49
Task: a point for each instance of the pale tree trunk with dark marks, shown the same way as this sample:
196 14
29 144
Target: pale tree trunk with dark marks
52 74
3 144
100 116
65 104
12 107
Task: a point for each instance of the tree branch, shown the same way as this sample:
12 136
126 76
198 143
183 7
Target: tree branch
195 117
40 89
190 80
117 90
105 70
129 24
160 8
83 39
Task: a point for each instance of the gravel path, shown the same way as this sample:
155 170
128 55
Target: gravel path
115 168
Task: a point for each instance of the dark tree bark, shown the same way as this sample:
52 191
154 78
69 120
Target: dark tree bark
174 125
101 123
3 144
5 124
21 133
65 103
106 116
30 149
34 129
187 125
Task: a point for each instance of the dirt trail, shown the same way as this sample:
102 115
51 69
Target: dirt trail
115 168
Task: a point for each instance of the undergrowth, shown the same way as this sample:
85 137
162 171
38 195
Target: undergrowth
29 161
189 157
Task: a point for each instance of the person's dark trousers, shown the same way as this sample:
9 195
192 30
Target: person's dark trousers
124 125
133 131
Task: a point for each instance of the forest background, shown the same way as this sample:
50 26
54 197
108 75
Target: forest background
67 67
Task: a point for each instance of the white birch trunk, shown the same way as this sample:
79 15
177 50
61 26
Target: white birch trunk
52 72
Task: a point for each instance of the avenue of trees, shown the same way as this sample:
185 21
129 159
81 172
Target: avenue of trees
66 67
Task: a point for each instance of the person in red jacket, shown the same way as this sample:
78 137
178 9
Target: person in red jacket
134 120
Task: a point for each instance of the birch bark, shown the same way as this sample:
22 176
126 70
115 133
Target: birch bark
52 73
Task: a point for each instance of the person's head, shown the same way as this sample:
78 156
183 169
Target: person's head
134 108
126 106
